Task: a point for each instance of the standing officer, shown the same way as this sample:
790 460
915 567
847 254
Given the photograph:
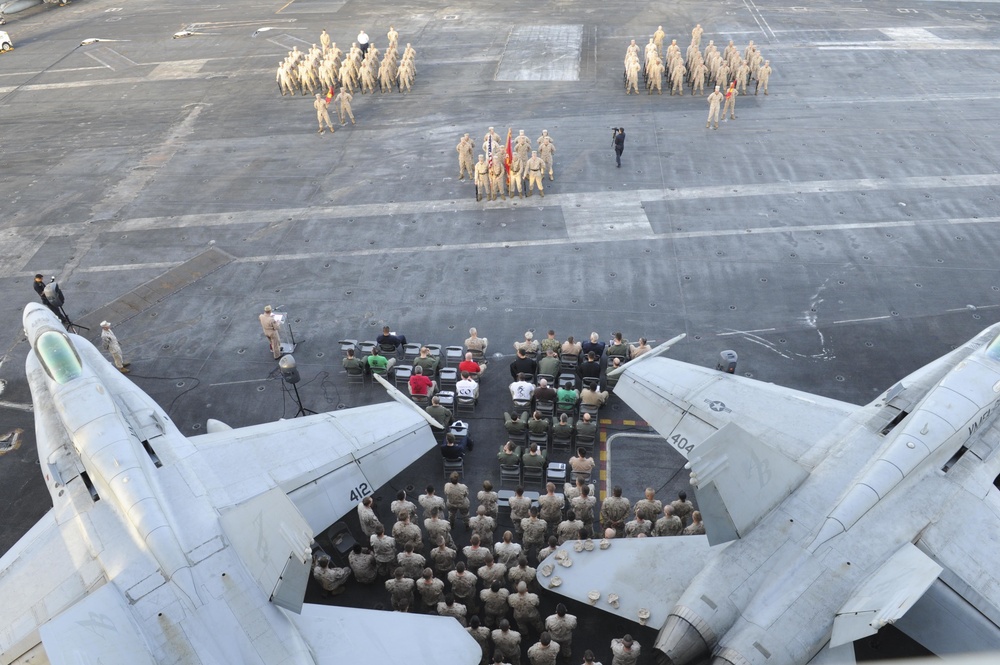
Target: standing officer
482 178
545 134
658 38
465 150
546 149
322 115
763 74
363 42
496 139
655 76
516 176
714 100
497 173
270 327
534 168
619 142
730 106
39 285
698 72
696 35
344 107
111 345
522 145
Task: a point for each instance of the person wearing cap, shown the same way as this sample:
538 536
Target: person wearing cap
763 75
529 345
730 106
714 100
111 345
39 285
270 327
533 168
322 115
625 650
546 150
465 149
496 140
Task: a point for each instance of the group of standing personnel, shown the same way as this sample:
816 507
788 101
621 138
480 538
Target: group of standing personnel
503 167
326 67
729 71
490 586
695 67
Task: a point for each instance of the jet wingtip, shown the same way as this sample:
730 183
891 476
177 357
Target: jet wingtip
403 399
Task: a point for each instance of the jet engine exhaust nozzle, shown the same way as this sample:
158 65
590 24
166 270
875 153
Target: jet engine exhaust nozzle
681 642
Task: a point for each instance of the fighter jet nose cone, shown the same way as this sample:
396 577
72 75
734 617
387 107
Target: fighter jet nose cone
681 643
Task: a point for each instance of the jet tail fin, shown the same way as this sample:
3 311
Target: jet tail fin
886 595
739 479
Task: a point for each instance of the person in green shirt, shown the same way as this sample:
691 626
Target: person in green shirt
567 396
379 363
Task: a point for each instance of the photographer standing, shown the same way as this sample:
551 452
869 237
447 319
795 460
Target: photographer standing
618 139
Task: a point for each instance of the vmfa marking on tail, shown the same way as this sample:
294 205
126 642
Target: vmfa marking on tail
825 520
161 548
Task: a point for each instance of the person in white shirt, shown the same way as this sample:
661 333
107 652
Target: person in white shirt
521 390
466 387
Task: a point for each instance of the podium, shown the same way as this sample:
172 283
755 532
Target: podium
285 324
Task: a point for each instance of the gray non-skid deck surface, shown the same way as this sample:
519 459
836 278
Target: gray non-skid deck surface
838 234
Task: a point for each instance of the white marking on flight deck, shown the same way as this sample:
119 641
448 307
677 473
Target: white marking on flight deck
541 53
744 332
285 39
870 318
233 383
52 71
176 69
105 65
939 45
591 216
758 17
910 35
131 186
623 203
111 58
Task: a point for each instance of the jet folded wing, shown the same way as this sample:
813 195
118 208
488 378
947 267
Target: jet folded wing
338 635
98 629
739 479
961 611
686 404
325 463
644 573
42 575
842 655
886 595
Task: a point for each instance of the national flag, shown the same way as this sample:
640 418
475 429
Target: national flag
489 149
509 157
329 95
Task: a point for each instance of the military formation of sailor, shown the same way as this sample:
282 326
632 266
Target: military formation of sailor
729 71
492 175
333 76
